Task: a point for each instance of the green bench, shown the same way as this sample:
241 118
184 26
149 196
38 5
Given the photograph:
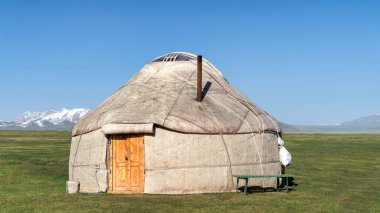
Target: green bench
246 177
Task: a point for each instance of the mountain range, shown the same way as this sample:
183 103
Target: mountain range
65 119
366 124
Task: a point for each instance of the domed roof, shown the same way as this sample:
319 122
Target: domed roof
163 93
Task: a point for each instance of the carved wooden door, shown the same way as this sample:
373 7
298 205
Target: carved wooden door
127 164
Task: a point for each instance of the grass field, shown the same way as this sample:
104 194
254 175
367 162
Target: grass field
336 173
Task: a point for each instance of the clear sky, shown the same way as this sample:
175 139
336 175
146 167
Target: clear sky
305 62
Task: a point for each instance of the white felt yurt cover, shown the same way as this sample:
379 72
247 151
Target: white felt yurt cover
190 146
164 92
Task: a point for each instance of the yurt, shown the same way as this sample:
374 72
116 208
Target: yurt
176 127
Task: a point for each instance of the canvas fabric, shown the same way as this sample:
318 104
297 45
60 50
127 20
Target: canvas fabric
164 93
190 146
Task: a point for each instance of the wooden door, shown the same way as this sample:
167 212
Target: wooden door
126 164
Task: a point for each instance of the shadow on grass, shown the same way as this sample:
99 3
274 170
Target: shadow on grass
258 189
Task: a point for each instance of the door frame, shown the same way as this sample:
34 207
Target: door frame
110 159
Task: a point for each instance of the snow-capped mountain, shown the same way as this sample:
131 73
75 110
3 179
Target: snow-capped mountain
63 119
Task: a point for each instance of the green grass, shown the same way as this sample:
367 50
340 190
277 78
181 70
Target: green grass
336 173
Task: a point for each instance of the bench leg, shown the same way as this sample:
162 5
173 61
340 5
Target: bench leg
287 184
278 185
246 186
237 184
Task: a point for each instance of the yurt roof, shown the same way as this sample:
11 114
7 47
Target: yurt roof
163 93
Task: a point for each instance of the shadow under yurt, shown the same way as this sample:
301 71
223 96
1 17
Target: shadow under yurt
172 129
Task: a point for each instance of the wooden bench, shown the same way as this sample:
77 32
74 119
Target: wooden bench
246 177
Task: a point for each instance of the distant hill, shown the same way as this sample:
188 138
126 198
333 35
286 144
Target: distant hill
63 119
366 124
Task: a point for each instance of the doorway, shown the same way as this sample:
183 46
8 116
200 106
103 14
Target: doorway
126 163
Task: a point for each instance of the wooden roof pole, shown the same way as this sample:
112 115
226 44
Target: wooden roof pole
199 78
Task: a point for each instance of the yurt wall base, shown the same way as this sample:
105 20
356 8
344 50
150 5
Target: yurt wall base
88 162
178 163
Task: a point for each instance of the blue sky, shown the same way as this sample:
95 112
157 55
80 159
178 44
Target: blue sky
304 62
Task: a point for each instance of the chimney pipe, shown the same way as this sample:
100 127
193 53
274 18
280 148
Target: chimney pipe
199 78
